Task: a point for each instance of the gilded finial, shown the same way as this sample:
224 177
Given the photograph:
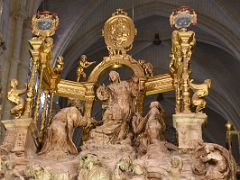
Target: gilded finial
119 12
183 17
44 24
228 126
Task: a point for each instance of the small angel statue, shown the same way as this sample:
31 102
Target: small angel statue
14 97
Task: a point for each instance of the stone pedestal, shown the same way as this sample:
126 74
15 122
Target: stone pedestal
189 129
17 139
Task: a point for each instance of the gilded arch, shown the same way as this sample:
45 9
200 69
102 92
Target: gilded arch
116 62
112 62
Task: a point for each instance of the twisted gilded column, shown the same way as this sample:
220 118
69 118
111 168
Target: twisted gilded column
43 116
35 43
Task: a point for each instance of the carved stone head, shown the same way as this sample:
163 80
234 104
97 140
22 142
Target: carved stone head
176 162
209 148
88 161
155 104
114 76
83 58
14 83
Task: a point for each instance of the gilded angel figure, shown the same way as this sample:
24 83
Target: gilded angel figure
14 97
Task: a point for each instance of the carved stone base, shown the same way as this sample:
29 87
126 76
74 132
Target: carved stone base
40 168
189 129
207 161
110 154
17 140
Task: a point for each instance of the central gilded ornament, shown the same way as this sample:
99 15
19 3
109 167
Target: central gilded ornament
119 32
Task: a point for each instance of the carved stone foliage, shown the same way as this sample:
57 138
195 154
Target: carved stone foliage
91 168
8 171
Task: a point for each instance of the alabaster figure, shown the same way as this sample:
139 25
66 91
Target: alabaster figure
118 106
59 144
150 129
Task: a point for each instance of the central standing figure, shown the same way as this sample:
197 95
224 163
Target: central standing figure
118 106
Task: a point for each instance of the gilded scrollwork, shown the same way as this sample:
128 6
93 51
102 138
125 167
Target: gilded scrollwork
200 90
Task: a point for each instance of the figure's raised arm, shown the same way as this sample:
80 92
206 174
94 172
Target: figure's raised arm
87 63
139 123
22 91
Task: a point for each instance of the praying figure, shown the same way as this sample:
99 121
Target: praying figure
59 144
149 129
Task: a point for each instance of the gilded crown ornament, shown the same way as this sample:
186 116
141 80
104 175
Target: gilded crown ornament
183 17
119 32
44 24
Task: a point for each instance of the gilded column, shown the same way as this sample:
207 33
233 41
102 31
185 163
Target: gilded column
183 42
90 96
50 112
35 53
43 116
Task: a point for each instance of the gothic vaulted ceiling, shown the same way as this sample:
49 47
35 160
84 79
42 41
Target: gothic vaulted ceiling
216 56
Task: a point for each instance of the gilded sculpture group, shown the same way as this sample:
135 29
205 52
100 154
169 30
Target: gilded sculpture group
124 144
